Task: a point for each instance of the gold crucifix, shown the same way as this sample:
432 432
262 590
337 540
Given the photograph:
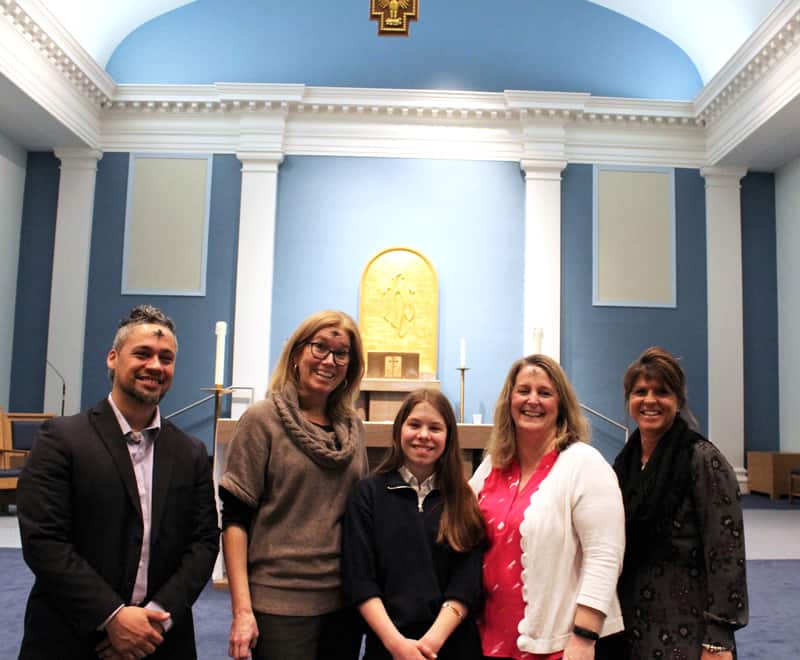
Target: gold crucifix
393 16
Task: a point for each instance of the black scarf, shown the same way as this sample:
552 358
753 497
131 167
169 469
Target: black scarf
653 494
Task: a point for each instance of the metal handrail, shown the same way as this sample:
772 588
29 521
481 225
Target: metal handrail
607 419
189 407
203 400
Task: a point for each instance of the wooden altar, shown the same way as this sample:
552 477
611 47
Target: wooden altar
380 398
473 438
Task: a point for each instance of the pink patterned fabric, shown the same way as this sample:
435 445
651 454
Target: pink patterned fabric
503 506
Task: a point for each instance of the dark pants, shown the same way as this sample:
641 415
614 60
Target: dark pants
334 636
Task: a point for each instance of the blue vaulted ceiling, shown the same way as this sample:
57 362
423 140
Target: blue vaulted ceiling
545 45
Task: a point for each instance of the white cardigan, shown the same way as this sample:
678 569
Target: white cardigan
573 543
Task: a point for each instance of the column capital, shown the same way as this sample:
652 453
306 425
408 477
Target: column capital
723 177
76 158
260 161
548 170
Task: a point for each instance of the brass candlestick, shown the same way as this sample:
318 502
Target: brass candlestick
463 371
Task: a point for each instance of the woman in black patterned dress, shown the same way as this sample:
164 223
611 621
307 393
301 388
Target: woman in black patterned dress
682 589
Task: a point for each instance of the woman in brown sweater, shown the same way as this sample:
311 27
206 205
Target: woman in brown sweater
291 464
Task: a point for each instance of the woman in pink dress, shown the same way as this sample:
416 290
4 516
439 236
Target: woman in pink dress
554 521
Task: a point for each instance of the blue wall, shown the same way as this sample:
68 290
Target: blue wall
547 45
467 217
194 316
598 343
760 299
34 276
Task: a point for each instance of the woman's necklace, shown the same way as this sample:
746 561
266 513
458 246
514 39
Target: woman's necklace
651 448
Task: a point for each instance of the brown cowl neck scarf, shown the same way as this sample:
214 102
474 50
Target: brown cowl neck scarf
651 496
319 445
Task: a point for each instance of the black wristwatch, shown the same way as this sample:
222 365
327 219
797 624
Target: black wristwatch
580 631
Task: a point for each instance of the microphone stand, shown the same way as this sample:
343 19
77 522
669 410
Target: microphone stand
63 385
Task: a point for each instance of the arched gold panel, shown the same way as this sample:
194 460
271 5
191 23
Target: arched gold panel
399 308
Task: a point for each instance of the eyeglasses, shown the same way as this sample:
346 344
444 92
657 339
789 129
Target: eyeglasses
320 351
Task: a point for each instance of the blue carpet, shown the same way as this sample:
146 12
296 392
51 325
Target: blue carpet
772 633
761 501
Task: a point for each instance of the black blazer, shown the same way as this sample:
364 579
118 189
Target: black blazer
81 526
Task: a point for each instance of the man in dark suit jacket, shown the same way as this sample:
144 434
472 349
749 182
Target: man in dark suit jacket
117 515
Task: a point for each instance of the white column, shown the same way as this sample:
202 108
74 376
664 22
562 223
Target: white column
542 280
254 275
12 190
725 314
70 282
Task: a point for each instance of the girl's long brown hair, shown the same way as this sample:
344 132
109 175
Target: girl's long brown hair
461 524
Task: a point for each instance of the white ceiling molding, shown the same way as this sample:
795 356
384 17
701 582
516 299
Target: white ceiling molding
43 60
681 147
756 93
755 106
772 42
375 103
512 125
59 47
30 60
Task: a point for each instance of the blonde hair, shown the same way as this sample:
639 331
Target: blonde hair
340 402
571 425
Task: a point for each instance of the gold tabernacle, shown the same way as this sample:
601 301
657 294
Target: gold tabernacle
398 312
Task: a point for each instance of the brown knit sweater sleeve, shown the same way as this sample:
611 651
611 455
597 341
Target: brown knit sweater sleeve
248 456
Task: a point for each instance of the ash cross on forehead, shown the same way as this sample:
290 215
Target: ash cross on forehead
158 332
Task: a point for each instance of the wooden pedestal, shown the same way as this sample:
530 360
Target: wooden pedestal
768 472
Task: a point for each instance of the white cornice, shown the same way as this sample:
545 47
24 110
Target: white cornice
776 38
679 147
388 98
511 125
188 133
59 47
404 138
394 103
27 60
761 101
396 122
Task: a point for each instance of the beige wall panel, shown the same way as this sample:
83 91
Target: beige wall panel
634 239
166 227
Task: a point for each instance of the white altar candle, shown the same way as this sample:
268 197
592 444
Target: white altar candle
463 361
538 335
219 365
